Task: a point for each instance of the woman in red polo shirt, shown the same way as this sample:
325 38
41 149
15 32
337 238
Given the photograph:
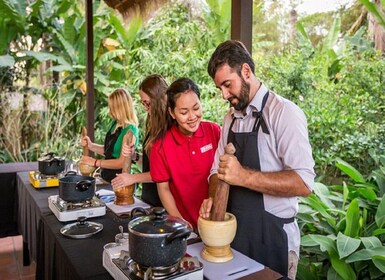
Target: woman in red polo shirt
180 161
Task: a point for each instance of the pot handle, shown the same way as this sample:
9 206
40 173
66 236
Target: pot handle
50 154
179 234
137 211
70 173
83 185
55 160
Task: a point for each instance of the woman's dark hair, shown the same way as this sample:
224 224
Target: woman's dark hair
231 52
178 87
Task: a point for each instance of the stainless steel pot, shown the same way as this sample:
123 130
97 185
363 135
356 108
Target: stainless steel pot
76 188
156 239
50 164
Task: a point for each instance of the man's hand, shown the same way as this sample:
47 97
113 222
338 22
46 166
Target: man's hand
229 170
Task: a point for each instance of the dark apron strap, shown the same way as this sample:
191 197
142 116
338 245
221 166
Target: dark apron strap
109 143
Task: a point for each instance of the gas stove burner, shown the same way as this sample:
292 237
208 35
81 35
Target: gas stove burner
41 176
118 263
68 206
153 273
39 180
70 211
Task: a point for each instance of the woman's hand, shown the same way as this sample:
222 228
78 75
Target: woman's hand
122 180
205 209
127 150
86 141
87 160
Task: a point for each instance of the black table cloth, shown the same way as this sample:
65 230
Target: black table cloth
56 256
33 203
8 195
59 257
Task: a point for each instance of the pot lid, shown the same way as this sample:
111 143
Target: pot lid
157 223
81 229
49 157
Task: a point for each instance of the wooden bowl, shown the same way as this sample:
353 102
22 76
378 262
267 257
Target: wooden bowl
86 170
217 236
125 195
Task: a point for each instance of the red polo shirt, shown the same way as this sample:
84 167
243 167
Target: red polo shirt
185 162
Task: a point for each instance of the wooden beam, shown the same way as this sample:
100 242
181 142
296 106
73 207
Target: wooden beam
242 22
90 70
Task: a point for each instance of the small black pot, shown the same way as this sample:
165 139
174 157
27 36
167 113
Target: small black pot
49 164
156 239
76 188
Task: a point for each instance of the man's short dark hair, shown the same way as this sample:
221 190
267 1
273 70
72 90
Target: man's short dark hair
232 52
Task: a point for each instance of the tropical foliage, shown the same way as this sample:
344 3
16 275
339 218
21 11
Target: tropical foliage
343 227
337 79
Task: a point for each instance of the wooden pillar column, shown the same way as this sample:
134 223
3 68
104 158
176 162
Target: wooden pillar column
90 70
242 22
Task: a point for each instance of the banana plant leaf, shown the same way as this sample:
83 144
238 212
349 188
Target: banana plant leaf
352 219
380 214
346 245
371 242
366 254
350 171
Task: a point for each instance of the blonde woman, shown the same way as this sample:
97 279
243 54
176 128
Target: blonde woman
152 93
122 111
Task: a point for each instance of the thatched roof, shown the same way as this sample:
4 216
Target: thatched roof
127 7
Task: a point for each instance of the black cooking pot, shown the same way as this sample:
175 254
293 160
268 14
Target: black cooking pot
156 239
49 164
76 188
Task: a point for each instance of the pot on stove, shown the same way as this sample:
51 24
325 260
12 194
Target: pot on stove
157 239
50 164
76 188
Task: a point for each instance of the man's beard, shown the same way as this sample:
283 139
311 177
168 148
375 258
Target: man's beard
243 99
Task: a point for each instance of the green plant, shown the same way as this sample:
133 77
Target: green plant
343 229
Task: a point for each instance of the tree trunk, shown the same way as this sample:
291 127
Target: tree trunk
293 25
376 30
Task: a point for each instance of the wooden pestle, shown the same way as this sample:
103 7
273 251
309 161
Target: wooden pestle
127 160
125 195
222 193
85 148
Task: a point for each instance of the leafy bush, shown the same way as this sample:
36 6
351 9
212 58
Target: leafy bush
344 113
343 229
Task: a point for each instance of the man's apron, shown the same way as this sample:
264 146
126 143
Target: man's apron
260 235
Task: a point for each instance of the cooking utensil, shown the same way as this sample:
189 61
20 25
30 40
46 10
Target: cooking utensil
50 164
125 195
76 188
122 237
156 239
81 229
85 169
222 193
85 148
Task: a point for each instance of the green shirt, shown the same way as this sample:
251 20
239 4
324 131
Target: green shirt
118 143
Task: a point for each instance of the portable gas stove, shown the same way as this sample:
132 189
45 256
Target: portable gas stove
39 180
117 262
68 211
